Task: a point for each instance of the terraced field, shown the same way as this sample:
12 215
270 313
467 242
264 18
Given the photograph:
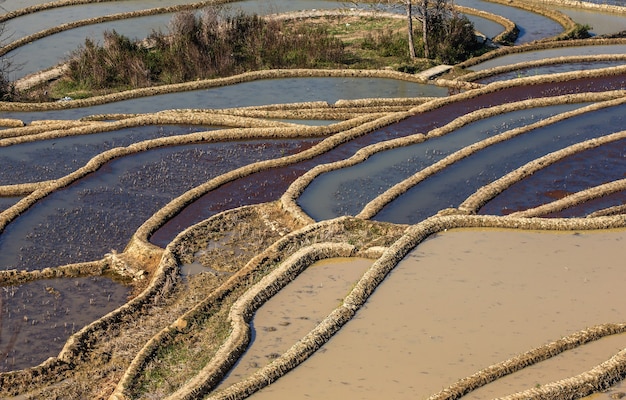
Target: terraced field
201 240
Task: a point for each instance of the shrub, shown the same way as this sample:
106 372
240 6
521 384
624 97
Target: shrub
204 46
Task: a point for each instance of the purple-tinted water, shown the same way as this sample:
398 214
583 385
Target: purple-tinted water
270 185
38 317
575 173
451 186
100 212
54 158
346 191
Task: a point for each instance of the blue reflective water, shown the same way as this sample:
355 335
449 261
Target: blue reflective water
6 202
551 69
261 92
90 217
531 26
346 191
486 26
54 158
56 48
453 185
550 53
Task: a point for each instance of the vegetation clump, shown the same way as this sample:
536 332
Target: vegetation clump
211 44
198 47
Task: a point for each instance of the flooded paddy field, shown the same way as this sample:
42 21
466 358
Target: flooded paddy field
532 26
550 69
451 186
601 23
131 279
6 202
295 310
461 302
53 158
340 192
578 172
101 211
247 94
38 317
550 53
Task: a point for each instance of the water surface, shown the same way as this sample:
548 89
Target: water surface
460 302
451 186
255 93
45 313
581 171
550 53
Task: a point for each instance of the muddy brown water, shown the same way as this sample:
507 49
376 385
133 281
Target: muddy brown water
462 301
575 173
295 310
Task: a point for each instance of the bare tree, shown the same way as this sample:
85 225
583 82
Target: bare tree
6 66
429 13
409 15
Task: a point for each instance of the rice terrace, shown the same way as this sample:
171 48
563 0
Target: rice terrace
287 203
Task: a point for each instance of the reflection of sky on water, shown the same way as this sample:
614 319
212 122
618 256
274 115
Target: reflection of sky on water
346 191
531 26
101 211
261 92
551 69
550 53
54 49
6 202
575 173
54 158
453 185
601 23
47 312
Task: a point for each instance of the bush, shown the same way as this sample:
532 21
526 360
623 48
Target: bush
204 46
452 39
